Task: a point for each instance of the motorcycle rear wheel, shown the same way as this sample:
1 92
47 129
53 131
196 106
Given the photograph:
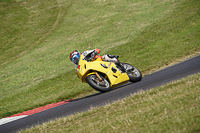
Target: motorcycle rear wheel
133 73
94 82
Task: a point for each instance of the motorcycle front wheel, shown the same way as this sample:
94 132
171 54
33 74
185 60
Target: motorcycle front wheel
94 82
133 73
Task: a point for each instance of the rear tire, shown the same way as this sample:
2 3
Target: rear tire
133 73
102 86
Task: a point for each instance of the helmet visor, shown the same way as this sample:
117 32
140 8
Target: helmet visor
75 59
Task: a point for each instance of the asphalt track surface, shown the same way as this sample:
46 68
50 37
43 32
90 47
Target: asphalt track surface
175 72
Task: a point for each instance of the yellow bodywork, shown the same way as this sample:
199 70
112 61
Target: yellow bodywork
112 73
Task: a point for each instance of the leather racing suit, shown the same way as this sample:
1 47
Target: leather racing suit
93 54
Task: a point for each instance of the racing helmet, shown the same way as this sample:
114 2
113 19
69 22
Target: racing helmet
75 56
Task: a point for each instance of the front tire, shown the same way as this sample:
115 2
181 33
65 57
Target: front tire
102 86
133 73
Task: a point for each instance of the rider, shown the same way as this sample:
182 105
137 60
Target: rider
93 54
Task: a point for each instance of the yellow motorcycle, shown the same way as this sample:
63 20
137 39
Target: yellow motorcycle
103 76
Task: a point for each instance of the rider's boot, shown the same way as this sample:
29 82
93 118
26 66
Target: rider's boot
121 67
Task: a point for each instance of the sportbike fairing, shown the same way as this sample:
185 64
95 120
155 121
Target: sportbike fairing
109 69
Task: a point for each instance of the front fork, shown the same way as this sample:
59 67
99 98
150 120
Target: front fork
99 77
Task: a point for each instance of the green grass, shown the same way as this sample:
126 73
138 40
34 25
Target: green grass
170 108
37 37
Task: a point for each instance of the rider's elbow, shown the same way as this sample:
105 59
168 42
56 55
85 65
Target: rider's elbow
97 51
